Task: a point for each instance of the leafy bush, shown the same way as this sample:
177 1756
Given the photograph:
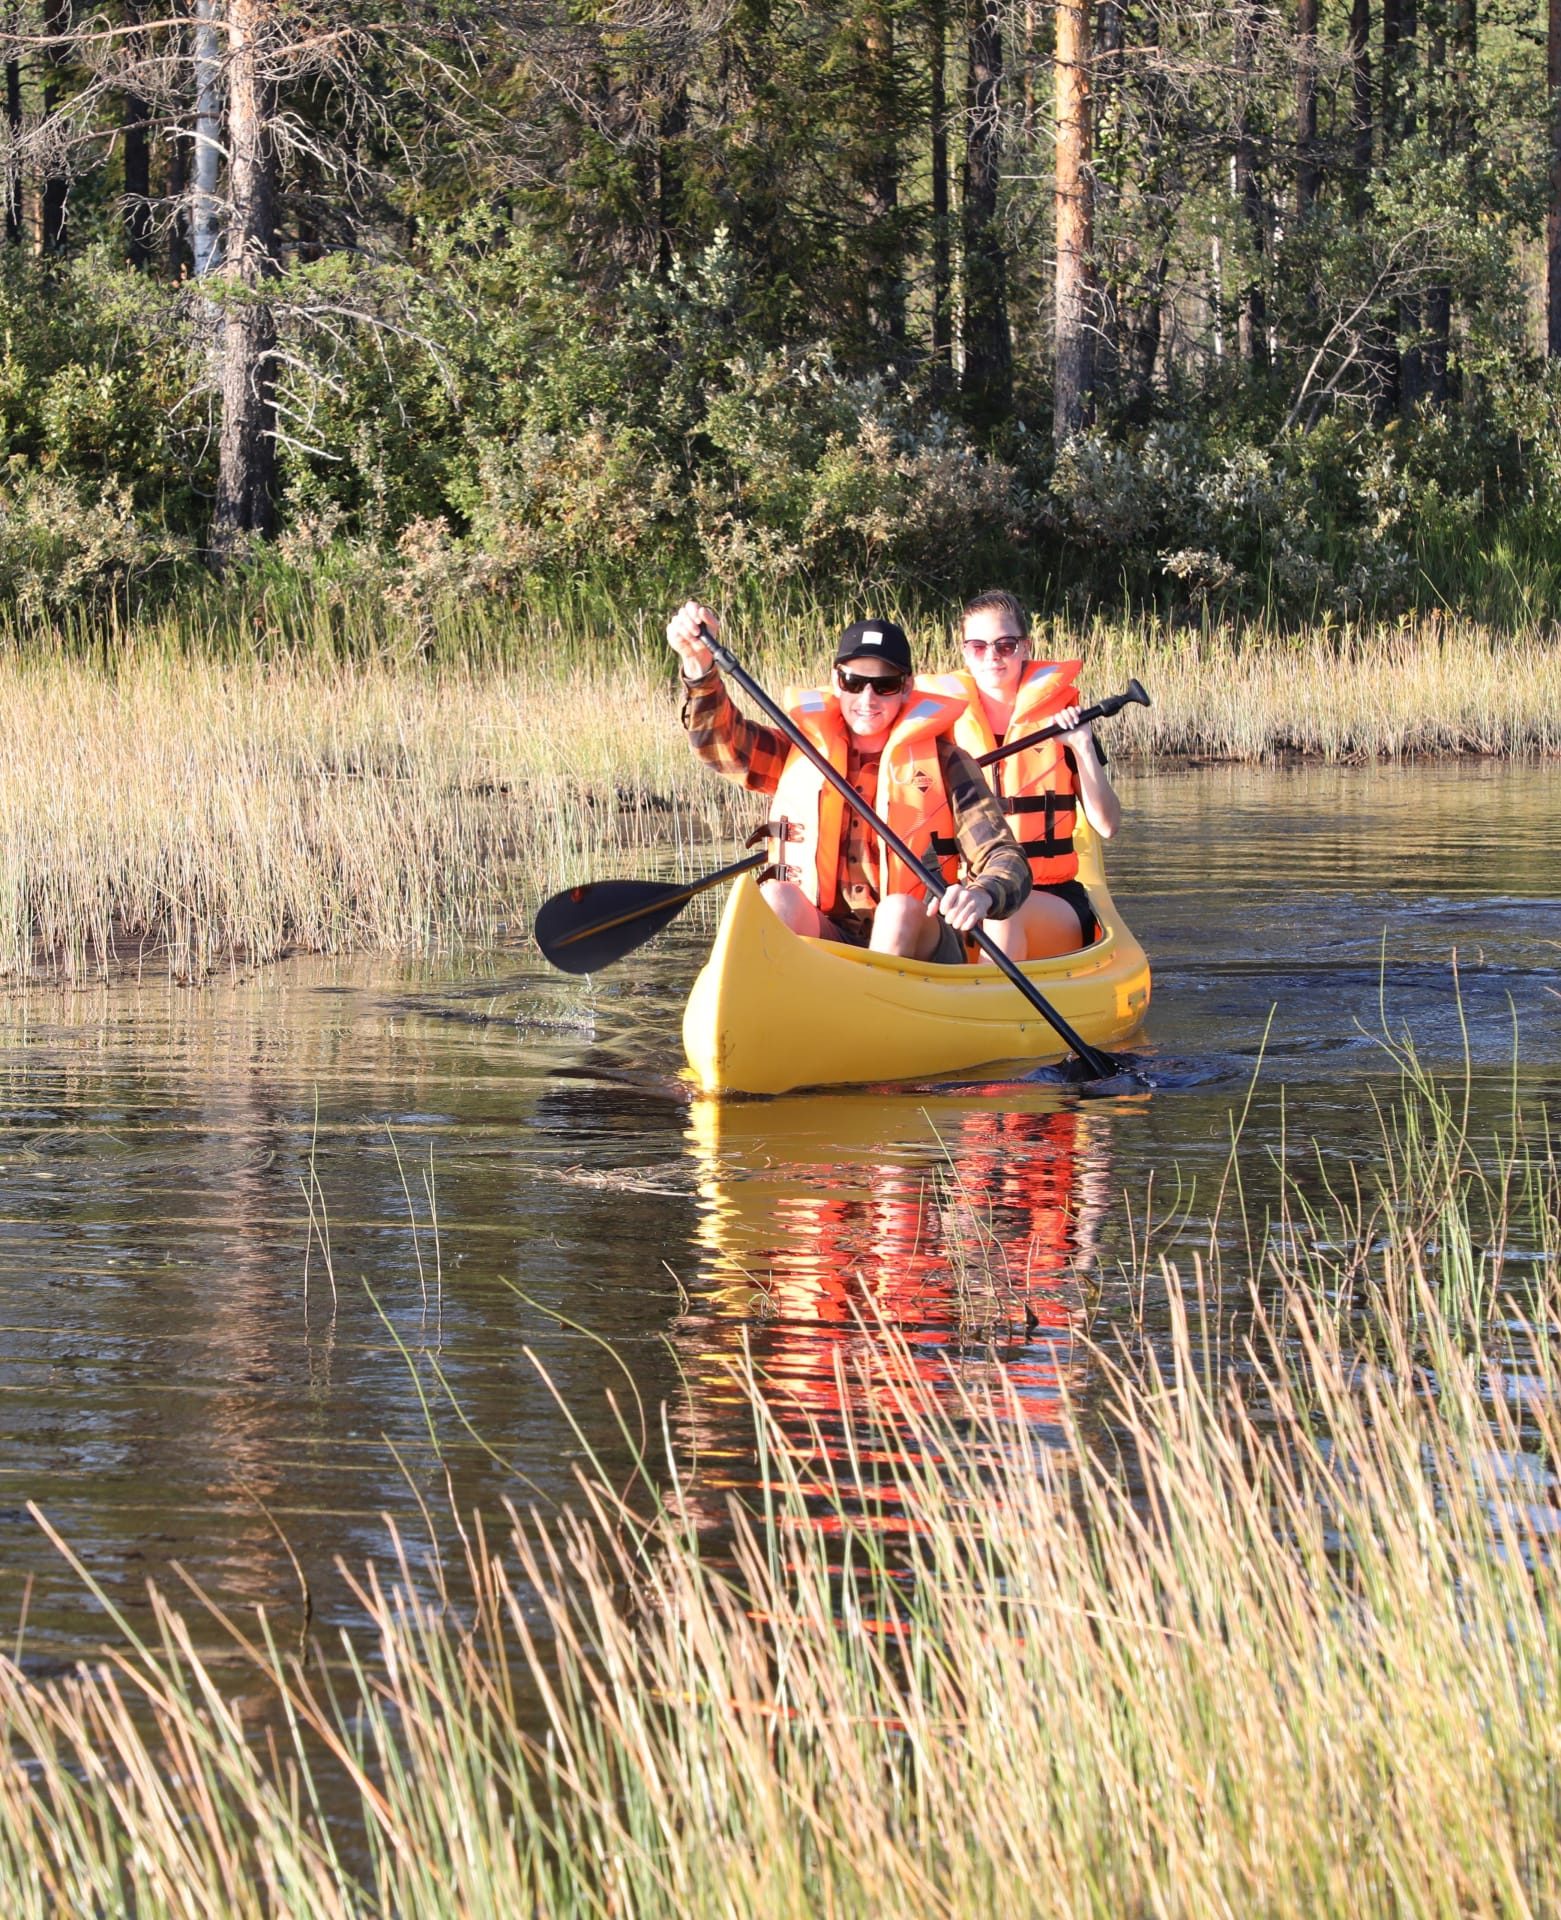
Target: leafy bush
488 428
59 547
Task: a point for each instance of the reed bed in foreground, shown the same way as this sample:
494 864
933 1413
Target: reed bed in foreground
1279 1635
172 805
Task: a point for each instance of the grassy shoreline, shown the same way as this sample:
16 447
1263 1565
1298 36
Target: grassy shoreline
1300 1660
163 804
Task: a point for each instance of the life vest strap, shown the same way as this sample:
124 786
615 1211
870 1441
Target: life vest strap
1053 847
1040 803
782 829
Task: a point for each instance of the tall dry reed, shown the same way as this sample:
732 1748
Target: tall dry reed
1344 693
170 805
1279 1636
241 806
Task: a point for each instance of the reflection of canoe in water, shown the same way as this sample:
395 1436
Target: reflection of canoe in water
772 1011
872 1244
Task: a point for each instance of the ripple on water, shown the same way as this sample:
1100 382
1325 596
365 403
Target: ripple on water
190 1364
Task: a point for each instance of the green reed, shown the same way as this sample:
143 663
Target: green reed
1302 1660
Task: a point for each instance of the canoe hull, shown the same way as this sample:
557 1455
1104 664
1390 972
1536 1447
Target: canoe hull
772 1012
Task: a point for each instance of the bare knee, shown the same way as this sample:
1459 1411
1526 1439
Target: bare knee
901 924
1008 936
1043 927
792 907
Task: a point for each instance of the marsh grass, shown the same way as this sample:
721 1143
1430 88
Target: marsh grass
184 811
1276 1635
197 794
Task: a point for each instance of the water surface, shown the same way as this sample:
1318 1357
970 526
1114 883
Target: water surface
185 1377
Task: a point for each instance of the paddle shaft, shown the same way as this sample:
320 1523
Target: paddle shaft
1099 1064
676 897
1102 710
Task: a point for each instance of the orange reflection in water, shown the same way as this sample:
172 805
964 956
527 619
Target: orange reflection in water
967 1228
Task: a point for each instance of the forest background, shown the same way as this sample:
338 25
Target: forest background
575 302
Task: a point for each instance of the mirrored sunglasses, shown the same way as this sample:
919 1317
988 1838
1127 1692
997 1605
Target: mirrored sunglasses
1005 648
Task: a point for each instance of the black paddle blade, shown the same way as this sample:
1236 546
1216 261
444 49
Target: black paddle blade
1132 695
584 929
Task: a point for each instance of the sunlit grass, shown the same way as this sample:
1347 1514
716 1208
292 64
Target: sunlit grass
1278 1634
178 799
250 807
1434 686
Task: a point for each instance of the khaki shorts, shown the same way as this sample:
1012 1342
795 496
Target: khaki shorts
857 932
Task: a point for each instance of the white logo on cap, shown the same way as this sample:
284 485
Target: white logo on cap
872 638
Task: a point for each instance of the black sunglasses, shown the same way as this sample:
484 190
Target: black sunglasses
885 684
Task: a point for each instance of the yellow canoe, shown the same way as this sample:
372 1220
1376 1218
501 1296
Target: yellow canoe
771 1011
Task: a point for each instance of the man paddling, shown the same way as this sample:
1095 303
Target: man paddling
831 878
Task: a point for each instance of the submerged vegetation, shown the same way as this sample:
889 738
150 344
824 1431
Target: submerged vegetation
184 800
1278 1635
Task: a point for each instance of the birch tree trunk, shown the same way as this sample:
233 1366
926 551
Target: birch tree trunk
246 365
1075 200
205 207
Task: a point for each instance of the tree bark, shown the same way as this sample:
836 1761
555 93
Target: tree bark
1072 405
1107 179
1252 312
13 178
56 21
135 118
1553 216
1358 58
205 206
1400 25
942 273
246 355
1308 173
988 350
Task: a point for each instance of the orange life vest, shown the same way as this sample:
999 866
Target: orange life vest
911 795
1037 787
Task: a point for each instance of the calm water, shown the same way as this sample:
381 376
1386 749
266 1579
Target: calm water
186 1375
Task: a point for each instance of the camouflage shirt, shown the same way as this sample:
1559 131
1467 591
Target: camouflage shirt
754 755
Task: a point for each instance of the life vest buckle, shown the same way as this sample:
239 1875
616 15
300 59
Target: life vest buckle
781 829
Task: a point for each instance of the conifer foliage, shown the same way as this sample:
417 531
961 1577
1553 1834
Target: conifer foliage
900 288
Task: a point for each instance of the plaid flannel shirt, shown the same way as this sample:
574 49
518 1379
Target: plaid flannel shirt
754 755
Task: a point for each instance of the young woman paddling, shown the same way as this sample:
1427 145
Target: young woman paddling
893 740
1009 694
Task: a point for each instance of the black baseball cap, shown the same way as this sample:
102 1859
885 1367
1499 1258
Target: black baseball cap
874 640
